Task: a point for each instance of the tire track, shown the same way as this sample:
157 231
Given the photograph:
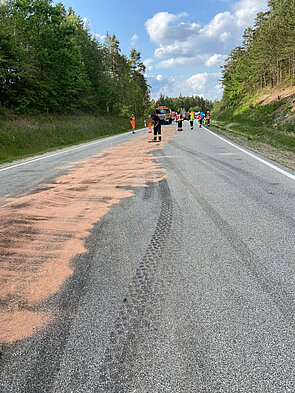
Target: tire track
43 362
148 191
139 305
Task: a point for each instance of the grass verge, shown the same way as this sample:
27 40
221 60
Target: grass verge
28 136
267 124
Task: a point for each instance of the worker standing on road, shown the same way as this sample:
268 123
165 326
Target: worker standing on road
157 128
132 121
200 119
192 118
202 114
149 121
179 121
208 118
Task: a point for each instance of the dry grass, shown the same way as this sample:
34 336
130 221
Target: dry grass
271 95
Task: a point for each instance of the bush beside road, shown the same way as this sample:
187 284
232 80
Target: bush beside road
265 125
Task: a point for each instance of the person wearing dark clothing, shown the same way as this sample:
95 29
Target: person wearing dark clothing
157 128
200 119
192 118
179 120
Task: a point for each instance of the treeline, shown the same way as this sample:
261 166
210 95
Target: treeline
180 103
51 63
267 56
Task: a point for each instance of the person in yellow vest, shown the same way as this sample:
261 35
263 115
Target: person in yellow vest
192 118
149 121
179 120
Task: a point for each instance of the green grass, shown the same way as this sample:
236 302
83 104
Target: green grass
258 123
26 136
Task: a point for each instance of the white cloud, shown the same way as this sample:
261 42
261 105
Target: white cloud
188 45
225 36
148 61
246 10
218 25
197 81
157 26
134 40
215 60
182 44
201 84
160 29
175 49
181 62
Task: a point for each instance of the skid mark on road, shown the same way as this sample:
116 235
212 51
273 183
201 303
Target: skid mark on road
138 306
148 191
42 232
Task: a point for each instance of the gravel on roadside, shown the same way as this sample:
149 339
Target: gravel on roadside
283 157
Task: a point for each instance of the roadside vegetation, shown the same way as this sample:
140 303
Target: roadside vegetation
51 63
258 78
267 56
59 85
271 123
187 103
29 135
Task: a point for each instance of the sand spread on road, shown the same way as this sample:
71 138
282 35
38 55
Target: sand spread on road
41 232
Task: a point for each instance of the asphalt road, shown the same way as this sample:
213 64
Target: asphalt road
188 286
22 176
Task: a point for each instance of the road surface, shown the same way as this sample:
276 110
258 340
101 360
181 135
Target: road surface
187 286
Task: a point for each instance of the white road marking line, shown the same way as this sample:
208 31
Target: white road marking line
226 154
254 156
63 152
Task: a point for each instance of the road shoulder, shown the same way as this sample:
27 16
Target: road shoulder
281 156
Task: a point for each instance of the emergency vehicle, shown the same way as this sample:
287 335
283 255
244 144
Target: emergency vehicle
173 116
164 114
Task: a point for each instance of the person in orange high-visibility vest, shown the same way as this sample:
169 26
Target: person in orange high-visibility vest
200 120
208 118
149 121
132 121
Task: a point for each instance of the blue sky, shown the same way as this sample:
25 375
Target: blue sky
182 44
